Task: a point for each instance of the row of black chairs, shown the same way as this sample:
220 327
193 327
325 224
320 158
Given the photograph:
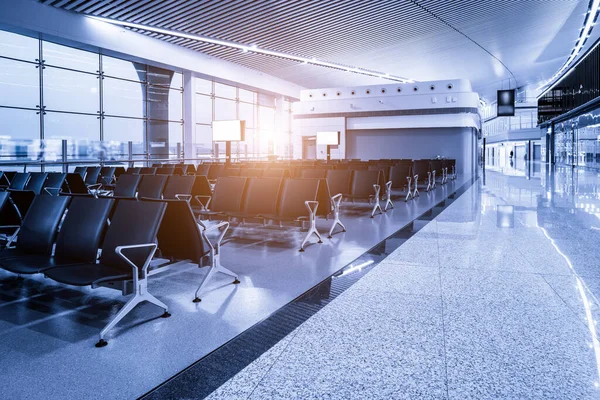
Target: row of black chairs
61 237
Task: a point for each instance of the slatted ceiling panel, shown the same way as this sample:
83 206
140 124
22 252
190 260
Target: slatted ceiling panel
401 37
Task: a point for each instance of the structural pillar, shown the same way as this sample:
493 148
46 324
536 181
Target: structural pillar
189 115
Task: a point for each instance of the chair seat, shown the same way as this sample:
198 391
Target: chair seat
19 263
86 274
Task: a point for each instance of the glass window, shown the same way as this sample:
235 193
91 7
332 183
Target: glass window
19 46
123 129
247 96
247 114
175 105
63 56
266 118
19 124
225 109
203 109
203 139
229 92
157 102
71 126
19 84
203 86
71 91
123 98
175 136
123 69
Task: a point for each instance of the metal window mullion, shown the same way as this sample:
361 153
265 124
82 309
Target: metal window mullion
101 93
41 98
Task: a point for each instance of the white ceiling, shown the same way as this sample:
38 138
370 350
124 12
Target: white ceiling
417 39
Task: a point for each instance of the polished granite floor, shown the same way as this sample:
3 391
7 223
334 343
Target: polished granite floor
48 330
496 297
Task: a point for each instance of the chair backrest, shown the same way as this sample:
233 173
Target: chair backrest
228 194
178 236
119 171
231 172
251 172
324 198
40 224
3 199
203 169
91 175
22 200
165 170
133 170
133 222
106 175
190 169
36 182
127 185
83 229
148 171
399 173
201 186
276 173
294 193
339 181
261 196
81 171
19 180
436 165
313 173
157 165
177 184
55 183
215 171
421 167
363 181
76 184
152 186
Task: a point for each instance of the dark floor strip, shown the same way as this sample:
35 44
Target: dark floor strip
204 376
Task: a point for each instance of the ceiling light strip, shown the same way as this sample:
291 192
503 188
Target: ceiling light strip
254 49
588 25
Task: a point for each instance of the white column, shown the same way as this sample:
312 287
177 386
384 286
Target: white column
279 135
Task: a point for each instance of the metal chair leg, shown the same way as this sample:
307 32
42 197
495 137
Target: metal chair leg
377 205
335 201
416 191
388 196
312 210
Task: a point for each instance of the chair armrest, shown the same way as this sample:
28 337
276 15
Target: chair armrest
48 190
136 268
312 207
186 197
204 231
204 205
94 186
336 201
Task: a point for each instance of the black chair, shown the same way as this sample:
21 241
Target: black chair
7 177
182 239
170 170
147 171
400 176
55 183
77 186
190 169
251 172
260 198
179 188
152 186
81 171
200 190
35 236
298 202
127 186
19 180
132 170
366 185
119 171
313 173
276 173
451 166
36 182
215 171
339 181
203 169
157 165
91 175
421 170
107 175
10 220
128 248
227 196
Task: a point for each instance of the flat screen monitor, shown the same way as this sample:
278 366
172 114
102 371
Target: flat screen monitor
328 138
228 131
506 103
